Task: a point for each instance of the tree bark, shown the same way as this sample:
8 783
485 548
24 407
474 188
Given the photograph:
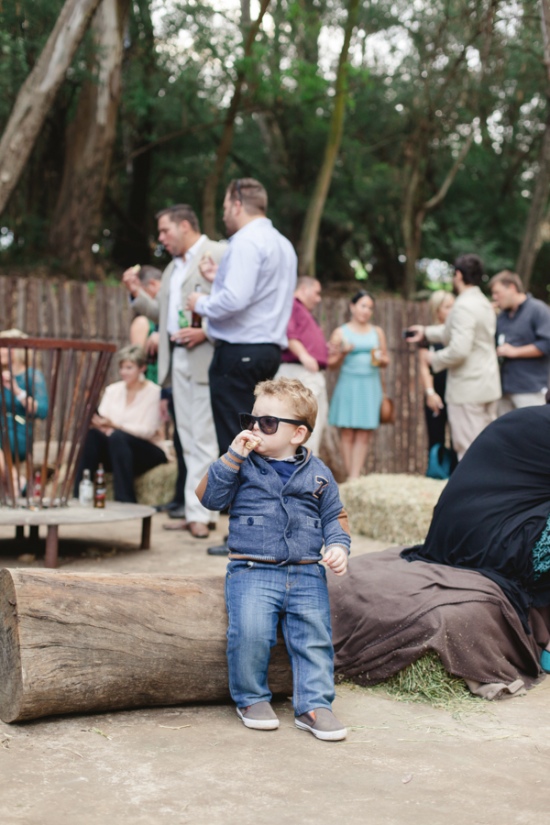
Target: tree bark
312 221
533 239
84 642
414 215
415 206
90 139
213 179
132 243
38 92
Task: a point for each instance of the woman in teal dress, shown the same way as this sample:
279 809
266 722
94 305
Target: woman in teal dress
24 397
361 349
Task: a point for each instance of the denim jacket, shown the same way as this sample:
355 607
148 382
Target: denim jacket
274 522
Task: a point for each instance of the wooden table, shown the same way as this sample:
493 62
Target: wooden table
74 513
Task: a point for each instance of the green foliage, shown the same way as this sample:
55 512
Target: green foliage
415 87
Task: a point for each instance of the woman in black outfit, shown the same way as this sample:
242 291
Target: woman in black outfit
435 409
494 513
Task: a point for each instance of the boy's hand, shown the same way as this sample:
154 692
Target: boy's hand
336 558
245 442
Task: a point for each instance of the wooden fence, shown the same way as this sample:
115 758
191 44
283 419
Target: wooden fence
59 308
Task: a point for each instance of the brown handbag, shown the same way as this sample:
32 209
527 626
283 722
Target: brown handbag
387 407
387 411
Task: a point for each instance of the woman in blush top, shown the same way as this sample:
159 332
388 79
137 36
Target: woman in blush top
126 432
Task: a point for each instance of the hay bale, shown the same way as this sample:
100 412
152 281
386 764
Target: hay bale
156 486
393 508
427 681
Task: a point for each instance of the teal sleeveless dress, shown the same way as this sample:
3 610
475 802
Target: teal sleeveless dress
358 393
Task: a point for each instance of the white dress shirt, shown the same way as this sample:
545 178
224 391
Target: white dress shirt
178 277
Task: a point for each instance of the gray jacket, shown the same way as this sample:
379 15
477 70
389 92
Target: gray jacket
468 354
157 310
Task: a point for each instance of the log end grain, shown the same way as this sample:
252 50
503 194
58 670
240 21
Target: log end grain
11 679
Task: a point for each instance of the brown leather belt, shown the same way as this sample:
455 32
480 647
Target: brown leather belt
239 557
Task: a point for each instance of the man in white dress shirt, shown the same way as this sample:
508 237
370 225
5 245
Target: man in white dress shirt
184 352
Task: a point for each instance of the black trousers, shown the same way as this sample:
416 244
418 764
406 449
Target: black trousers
436 426
125 455
234 372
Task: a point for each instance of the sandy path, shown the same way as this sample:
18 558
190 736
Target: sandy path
402 763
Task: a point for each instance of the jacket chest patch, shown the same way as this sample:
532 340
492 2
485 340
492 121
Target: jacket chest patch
321 483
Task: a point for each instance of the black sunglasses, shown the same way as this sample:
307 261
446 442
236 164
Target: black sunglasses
268 424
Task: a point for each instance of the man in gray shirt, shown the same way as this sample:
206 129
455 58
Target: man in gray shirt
523 343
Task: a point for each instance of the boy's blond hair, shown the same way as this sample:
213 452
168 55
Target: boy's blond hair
300 397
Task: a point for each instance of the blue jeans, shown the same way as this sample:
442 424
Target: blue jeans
258 596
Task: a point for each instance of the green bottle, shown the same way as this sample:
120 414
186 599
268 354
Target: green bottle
182 319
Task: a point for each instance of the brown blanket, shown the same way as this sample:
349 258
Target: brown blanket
388 612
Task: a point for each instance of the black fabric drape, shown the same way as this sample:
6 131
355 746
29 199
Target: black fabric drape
495 506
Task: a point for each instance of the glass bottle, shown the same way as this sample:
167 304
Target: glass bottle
501 339
37 488
86 490
196 319
99 488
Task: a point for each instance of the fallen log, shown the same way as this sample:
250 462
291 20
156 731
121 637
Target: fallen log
82 642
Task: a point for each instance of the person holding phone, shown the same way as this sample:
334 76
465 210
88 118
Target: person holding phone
468 354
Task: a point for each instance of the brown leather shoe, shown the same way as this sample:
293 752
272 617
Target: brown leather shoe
198 530
182 524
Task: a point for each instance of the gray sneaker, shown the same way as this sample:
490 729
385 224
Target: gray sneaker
259 716
323 724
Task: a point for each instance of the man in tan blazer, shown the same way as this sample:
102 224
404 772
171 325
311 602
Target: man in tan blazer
468 355
184 352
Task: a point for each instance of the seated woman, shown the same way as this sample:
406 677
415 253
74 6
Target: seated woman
24 397
494 513
126 433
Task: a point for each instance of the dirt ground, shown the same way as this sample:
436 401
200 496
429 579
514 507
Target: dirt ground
401 763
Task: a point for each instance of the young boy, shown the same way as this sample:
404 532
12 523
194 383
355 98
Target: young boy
284 505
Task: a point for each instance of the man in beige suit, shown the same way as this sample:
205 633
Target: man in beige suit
468 355
184 352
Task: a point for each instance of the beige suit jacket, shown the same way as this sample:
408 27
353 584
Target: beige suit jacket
157 310
469 353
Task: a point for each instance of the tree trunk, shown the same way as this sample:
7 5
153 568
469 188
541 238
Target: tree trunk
90 140
132 243
414 213
312 221
213 179
84 642
132 238
532 236
417 152
532 239
409 224
38 91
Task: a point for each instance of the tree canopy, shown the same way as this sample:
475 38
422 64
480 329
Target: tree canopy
440 109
